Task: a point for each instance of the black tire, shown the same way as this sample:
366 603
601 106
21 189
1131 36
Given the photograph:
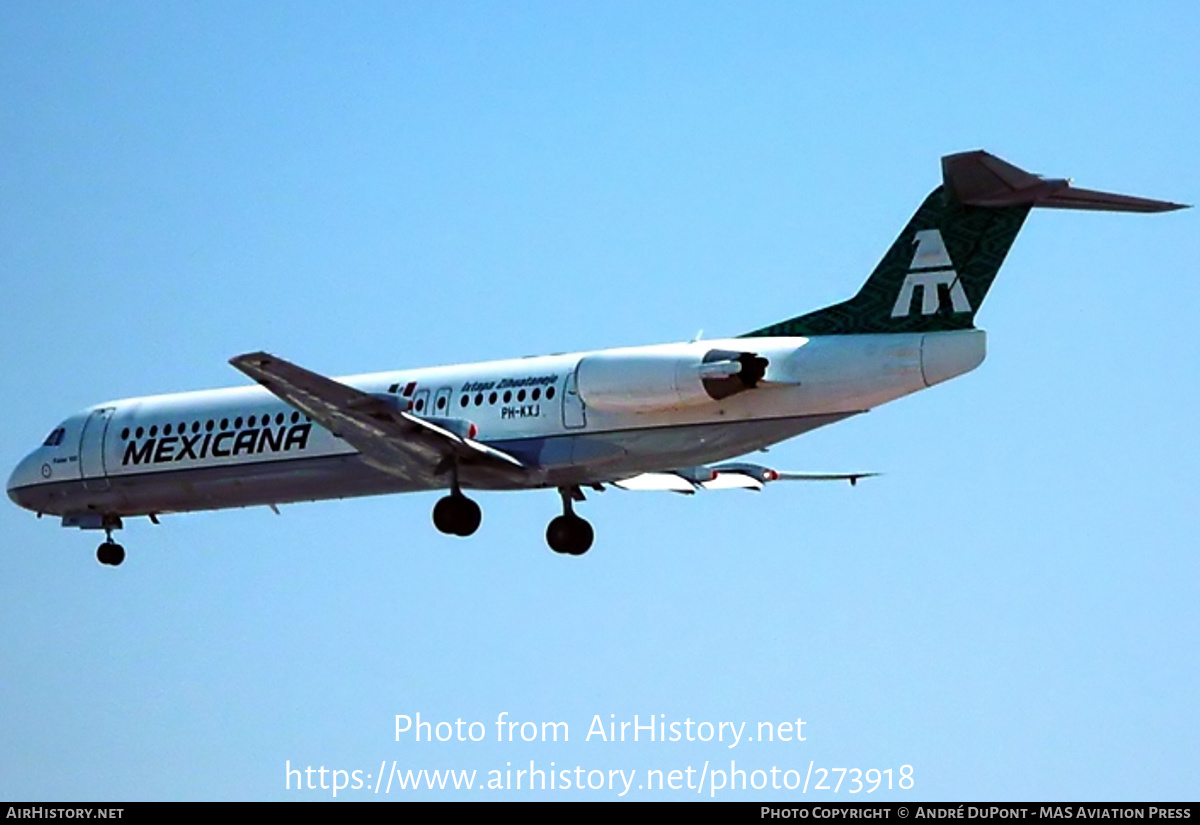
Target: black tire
570 535
110 553
457 515
468 517
558 534
443 515
582 536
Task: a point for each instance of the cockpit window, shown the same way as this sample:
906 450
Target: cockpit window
55 438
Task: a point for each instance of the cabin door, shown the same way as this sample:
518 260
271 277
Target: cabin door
92 468
574 412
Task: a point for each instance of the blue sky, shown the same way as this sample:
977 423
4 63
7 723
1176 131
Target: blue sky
1010 609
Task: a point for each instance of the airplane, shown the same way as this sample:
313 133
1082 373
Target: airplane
664 417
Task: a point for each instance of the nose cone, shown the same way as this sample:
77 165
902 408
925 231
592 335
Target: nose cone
30 471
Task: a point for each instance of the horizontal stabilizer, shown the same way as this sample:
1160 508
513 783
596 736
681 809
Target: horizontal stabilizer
757 471
736 475
936 274
980 179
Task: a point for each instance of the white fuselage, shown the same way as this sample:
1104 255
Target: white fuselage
582 418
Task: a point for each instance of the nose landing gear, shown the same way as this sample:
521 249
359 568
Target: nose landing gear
570 534
110 553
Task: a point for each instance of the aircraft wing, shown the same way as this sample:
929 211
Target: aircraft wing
729 476
389 437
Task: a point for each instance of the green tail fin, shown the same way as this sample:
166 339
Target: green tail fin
937 273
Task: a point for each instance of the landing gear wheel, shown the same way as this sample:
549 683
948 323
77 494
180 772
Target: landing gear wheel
457 515
570 535
469 517
110 553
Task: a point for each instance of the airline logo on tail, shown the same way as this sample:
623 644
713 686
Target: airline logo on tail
931 270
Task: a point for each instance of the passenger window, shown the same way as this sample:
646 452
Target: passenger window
549 393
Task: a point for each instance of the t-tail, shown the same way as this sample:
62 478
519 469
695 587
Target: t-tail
937 273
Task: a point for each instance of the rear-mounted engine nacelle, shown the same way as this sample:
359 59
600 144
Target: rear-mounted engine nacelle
645 382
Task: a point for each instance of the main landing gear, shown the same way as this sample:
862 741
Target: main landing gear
110 553
457 515
570 534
